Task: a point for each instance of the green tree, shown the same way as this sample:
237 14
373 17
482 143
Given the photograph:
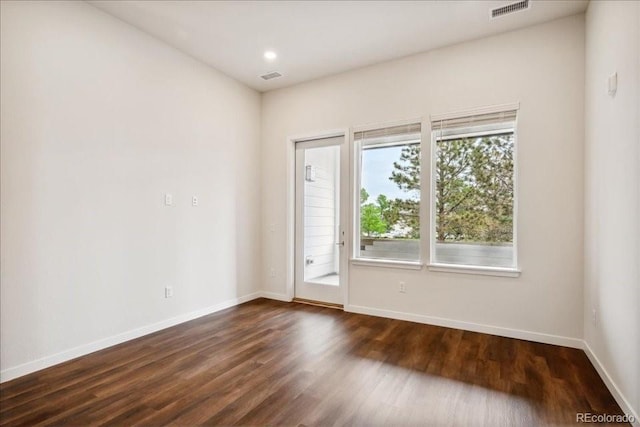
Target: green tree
406 175
389 210
371 220
456 199
407 170
492 169
474 189
408 216
364 196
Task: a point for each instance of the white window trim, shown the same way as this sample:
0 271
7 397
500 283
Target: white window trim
432 265
356 259
388 263
475 111
474 269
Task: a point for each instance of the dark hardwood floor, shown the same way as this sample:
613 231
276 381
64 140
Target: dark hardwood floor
273 363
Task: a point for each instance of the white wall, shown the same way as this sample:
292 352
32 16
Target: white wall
99 120
612 193
542 67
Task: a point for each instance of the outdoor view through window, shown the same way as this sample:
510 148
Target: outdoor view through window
474 196
472 192
390 193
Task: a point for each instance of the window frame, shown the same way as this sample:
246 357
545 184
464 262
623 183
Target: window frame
462 132
356 259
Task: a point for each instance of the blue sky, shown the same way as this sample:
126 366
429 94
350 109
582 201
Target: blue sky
377 165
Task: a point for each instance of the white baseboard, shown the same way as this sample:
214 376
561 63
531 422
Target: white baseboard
469 326
611 385
47 361
275 296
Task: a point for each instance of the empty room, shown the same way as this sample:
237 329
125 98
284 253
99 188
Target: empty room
312 213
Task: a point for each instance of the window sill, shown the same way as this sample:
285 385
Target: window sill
387 263
469 269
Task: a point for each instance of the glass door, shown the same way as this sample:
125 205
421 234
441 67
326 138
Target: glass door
320 210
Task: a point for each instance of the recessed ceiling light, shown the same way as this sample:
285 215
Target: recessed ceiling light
270 55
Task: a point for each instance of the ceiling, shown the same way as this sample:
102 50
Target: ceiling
318 38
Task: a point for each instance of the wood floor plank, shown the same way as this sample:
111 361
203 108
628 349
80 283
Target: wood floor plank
272 363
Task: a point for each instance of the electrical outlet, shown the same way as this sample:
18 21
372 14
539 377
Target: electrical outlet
168 292
168 199
272 272
594 317
403 288
194 201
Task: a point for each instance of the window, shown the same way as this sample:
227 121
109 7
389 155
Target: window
388 212
472 201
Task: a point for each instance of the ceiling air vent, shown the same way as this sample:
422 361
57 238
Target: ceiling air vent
510 8
272 75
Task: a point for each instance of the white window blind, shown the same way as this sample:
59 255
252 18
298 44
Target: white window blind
389 135
458 126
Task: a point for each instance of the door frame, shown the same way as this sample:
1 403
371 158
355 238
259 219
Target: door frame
291 208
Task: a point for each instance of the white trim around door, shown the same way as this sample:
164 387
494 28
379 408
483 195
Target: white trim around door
343 234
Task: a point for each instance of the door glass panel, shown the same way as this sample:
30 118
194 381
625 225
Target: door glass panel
321 218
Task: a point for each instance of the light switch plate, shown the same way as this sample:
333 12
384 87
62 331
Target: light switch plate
613 84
